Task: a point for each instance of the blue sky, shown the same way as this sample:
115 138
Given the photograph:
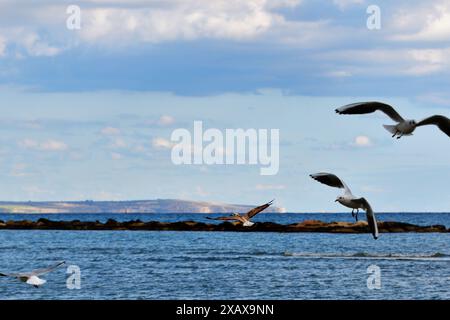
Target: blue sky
87 113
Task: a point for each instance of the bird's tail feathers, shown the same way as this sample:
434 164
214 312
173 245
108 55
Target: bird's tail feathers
391 128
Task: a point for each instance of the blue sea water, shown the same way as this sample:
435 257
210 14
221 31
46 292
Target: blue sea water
229 265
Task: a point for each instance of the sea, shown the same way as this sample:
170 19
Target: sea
228 265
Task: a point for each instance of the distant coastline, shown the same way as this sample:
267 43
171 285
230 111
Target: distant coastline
132 206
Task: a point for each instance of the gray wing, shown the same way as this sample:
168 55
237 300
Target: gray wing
370 107
16 275
257 210
223 218
371 220
331 180
442 122
39 272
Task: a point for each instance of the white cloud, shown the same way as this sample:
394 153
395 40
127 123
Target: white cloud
362 141
19 170
28 143
270 187
342 4
118 143
36 191
53 145
307 34
383 62
162 143
166 120
437 98
36 47
116 156
48 145
107 196
339 74
2 46
120 23
430 22
140 149
201 192
26 41
110 131
182 20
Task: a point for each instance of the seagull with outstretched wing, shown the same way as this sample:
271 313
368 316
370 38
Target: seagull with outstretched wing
402 128
245 219
349 200
32 278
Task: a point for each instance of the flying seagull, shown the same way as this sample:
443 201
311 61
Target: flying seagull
245 219
403 127
349 200
32 278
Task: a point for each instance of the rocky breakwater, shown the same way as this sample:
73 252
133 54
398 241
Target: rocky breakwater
304 226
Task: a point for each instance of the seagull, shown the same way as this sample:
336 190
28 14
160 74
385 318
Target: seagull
245 219
403 127
349 200
32 278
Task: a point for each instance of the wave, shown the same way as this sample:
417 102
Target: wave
438 256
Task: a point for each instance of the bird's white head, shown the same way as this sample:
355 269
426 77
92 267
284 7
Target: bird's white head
235 214
339 199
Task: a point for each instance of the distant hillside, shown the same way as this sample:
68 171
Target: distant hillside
138 206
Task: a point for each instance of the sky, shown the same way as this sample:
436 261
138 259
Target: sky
87 113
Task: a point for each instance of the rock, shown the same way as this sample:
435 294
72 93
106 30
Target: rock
303 226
